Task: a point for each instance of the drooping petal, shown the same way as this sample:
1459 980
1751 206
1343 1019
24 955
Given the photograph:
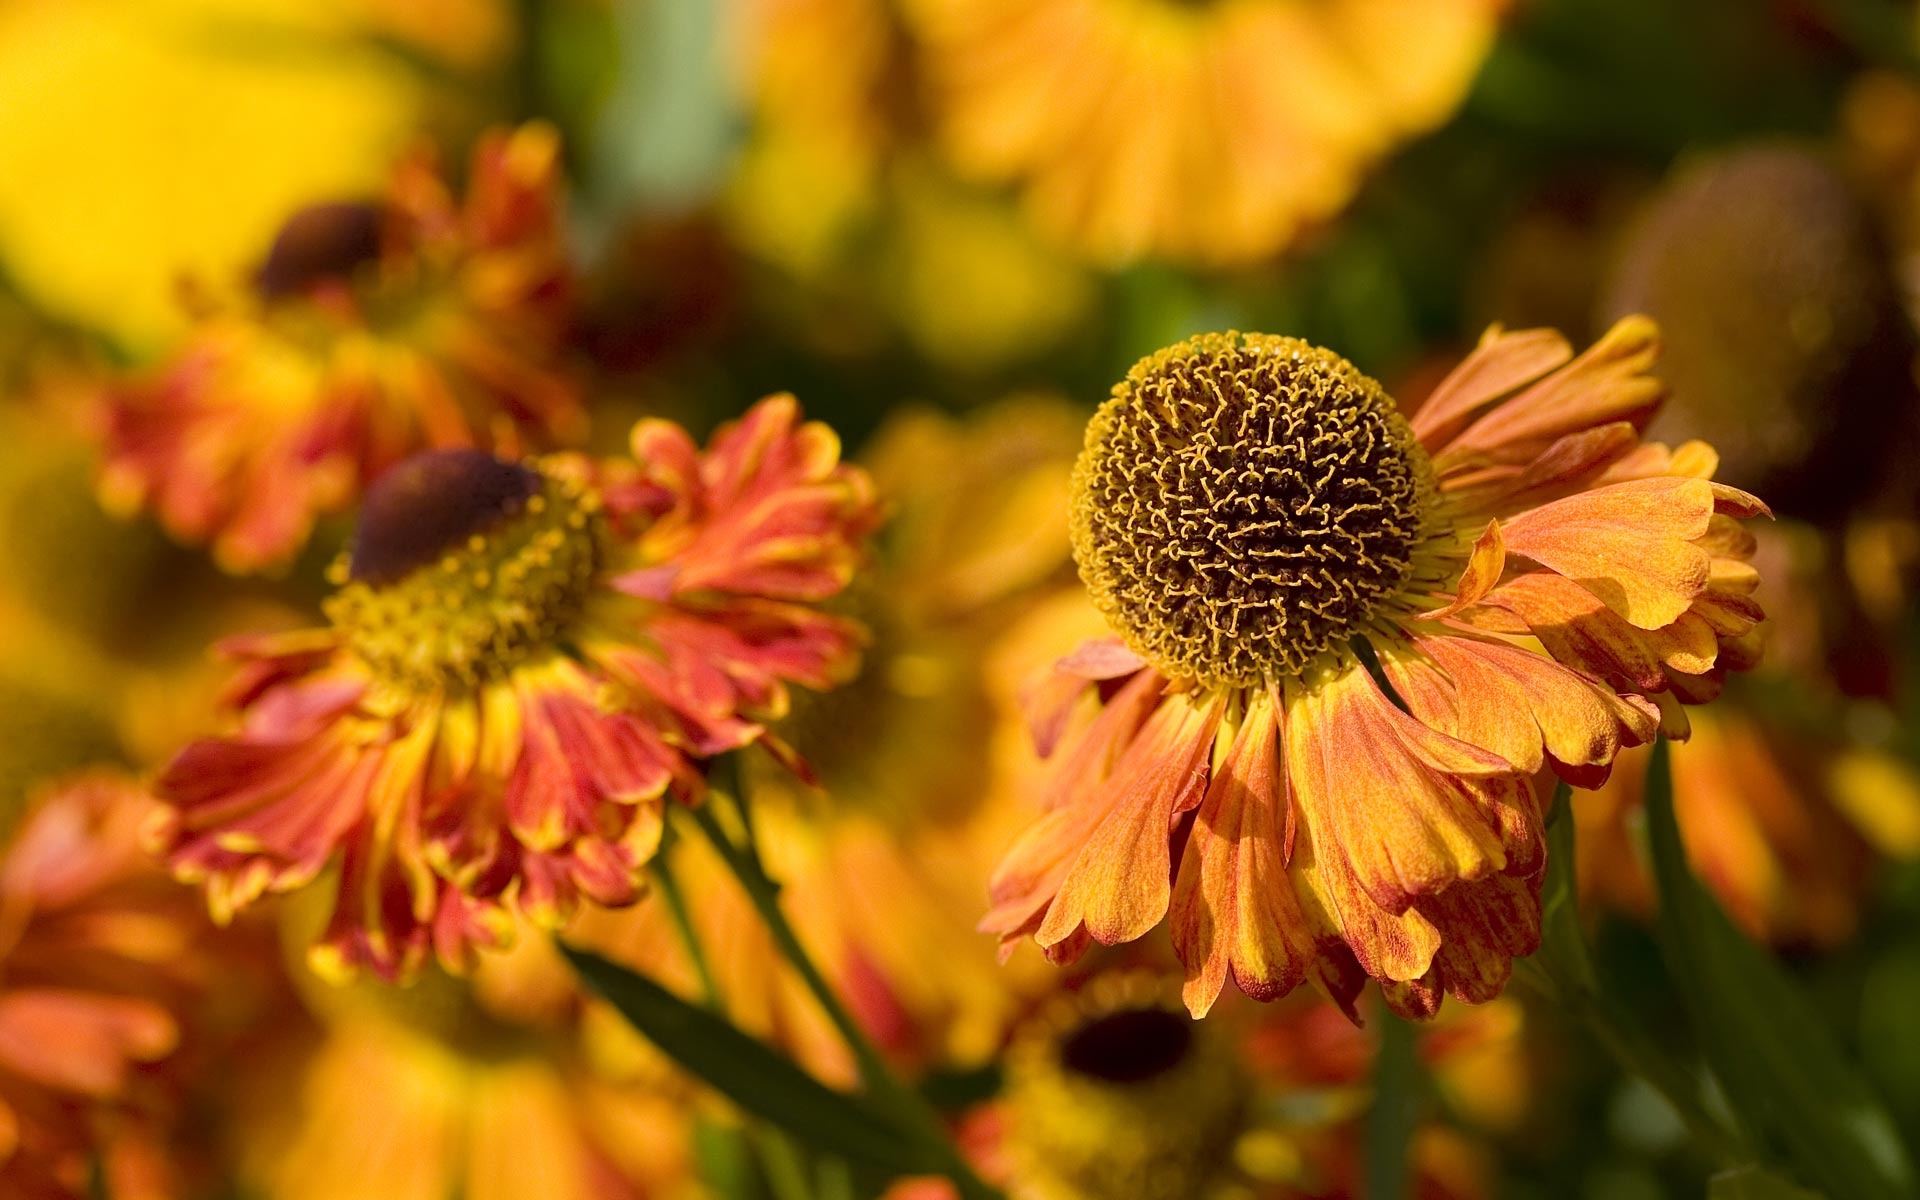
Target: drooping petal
1119 885
1389 797
1234 910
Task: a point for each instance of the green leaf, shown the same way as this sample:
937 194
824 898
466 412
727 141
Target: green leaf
1782 1070
746 1072
1755 1183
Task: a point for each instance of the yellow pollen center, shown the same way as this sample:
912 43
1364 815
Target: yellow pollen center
1244 503
494 600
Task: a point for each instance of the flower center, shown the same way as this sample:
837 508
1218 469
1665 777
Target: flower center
1243 503
1116 1093
320 243
465 566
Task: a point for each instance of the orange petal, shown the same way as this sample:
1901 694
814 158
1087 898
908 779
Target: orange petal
1501 363
1630 544
1233 905
1483 927
1388 792
1608 383
1118 885
1579 630
1483 570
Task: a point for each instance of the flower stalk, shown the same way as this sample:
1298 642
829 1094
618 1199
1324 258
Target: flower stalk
917 1117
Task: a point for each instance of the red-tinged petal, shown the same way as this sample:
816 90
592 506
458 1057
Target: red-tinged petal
1502 363
1630 544
768 510
1608 383
1100 659
1233 905
1414 999
77 1041
1391 793
1118 886
1386 946
1577 628
1050 705
1483 570
1483 927
1573 717
1577 462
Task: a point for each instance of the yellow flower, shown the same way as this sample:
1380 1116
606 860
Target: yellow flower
456 1087
812 73
1112 1092
1206 132
152 141
1534 586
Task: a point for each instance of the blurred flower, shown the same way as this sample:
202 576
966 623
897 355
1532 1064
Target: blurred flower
1256 520
1113 1093
69 562
424 1092
147 142
1210 133
1759 827
1782 320
377 330
523 662
1116 1092
833 187
814 74
99 962
966 279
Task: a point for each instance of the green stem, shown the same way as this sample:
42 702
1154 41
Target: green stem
878 1079
786 1172
1396 1109
676 902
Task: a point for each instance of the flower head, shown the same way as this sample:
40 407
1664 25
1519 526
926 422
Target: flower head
1783 323
523 662
1280 107
374 330
98 963
1114 1092
1346 641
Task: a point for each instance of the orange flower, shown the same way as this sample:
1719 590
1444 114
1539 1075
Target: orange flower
375 330
523 662
1255 519
1209 133
97 962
